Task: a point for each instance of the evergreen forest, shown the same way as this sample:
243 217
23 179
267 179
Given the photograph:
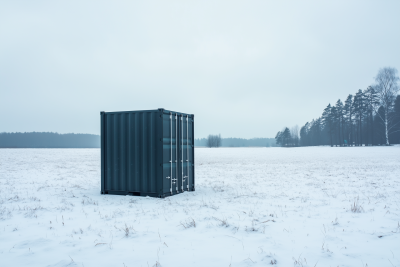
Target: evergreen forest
367 118
48 140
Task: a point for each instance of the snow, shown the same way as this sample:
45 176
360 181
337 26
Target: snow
251 207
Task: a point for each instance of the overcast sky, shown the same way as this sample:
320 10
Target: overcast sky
244 68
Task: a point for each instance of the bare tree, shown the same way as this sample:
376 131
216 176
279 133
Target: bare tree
386 88
214 140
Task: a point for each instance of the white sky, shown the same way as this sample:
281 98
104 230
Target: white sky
244 68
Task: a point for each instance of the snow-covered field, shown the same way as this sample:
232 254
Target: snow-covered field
317 206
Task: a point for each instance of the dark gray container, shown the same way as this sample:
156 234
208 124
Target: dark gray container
147 153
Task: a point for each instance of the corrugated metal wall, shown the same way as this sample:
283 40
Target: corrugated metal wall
131 151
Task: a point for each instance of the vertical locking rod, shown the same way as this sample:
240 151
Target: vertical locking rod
176 150
187 150
170 118
183 179
176 142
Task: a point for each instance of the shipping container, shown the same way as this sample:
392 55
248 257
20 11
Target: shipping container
147 153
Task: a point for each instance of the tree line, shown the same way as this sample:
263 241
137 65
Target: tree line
56 140
369 117
237 142
48 140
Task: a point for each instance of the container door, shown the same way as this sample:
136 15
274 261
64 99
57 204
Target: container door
185 153
170 153
177 153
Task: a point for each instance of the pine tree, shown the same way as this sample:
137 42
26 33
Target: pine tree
304 135
371 101
286 137
327 120
316 129
359 103
278 138
348 112
340 119
335 128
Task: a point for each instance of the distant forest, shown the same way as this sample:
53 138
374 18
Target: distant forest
370 117
55 140
48 140
240 142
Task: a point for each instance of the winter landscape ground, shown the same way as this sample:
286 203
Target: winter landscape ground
315 206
